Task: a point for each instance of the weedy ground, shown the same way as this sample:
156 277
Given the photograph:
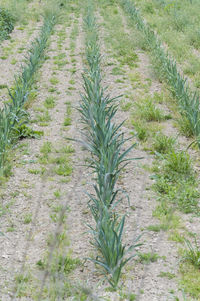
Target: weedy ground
43 209
177 23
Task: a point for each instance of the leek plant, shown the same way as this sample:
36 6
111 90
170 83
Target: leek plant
187 99
112 253
104 139
12 114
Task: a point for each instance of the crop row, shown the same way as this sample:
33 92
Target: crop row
105 141
187 99
13 116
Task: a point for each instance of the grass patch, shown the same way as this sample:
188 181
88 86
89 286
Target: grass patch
146 110
148 257
49 102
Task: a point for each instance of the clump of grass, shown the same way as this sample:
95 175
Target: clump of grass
60 264
54 80
147 110
190 280
163 144
148 257
184 126
175 181
167 275
178 162
63 167
142 130
192 253
67 121
49 102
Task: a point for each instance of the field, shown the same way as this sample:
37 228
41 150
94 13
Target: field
99 150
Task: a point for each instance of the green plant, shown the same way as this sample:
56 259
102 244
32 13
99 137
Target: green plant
49 102
192 252
102 138
6 23
163 144
188 100
27 218
60 264
147 110
108 241
141 130
148 257
13 115
178 162
54 80
167 275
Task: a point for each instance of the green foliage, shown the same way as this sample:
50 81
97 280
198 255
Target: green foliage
167 275
190 280
49 102
188 101
163 144
176 182
123 44
148 257
6 24
12 115
108 241
105 143
24 131
147 111
59 264
192 253
178 162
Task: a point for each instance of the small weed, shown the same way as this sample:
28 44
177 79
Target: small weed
60 264
49 102
146 110
57 194
34 171
178 162
46 148
192 253
64 167
67 121
72 82
148 257
167 275
28 218
175 236
52 90
184 126
3 86
117 71
13 61
154 228
45 117
125 106
54 81
68 149
163 144
141 130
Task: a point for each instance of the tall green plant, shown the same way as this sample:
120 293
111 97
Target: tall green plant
105 141
108 241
